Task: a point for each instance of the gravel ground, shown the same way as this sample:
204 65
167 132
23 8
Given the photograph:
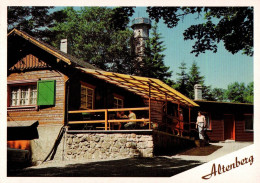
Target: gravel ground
160 166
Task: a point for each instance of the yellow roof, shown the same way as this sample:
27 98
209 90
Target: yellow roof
142 86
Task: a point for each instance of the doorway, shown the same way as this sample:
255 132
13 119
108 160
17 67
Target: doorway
229 127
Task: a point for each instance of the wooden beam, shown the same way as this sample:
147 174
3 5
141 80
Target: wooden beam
127 120
149 105
106 120
166 112
128 109
83 111
110 121
189 118
80 122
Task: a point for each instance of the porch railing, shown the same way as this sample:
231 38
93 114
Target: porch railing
106 121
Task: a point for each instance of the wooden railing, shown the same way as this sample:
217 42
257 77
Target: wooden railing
107 121
178 125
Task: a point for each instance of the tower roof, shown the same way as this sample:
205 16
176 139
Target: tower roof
141 21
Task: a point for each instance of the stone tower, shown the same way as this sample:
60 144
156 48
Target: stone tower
141 28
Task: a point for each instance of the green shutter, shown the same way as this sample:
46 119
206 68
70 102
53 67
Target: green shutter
46 90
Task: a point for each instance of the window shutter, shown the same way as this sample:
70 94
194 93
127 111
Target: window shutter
46 90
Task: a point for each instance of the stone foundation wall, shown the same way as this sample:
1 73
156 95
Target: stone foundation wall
108 146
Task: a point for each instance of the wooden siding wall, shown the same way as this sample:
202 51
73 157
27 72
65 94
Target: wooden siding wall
156 110
45 115
217 132
240 133
29 62
104 93
217 111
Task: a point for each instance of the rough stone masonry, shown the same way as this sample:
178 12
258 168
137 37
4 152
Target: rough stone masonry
108 146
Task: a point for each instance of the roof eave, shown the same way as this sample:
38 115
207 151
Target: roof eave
37 43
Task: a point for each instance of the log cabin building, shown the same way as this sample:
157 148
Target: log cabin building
50 92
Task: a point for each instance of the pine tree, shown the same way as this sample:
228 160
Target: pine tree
153 61
194 77
182 81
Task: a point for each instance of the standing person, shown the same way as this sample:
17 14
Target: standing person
131 124
200 124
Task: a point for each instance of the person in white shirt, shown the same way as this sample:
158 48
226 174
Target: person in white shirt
200 124
131 124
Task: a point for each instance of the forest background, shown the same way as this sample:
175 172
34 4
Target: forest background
103 37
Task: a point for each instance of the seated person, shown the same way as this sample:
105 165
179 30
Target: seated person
119 115
131 124
122 115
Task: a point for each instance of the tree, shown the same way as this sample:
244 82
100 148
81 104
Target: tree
249 93
235 92
94 36
182 80
186 82
154 58
232 25
194 77
218 94
35 21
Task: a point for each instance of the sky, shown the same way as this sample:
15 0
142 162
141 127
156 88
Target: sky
220 69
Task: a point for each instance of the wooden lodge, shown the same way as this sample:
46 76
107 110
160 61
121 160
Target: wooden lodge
227 121
53 96
49 90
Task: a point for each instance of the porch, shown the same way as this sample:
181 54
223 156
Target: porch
162 123
99 120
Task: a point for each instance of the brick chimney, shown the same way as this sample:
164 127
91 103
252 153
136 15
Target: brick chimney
64 45
197 92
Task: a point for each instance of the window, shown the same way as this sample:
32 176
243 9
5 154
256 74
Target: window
118 102
87 97
208 122
248 122
31 93
23 95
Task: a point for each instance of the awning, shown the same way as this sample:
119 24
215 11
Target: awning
142 86
22 130
22 123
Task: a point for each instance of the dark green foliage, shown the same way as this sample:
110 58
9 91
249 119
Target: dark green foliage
249 93
232 25
95 37
186 82
238 92
33 20
194 77
218 94
182 80
120 17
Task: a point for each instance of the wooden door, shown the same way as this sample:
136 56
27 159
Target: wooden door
229 127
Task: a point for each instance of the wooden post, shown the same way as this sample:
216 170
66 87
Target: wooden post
166 105
179 119
189 119
149 106
106 120
166 112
